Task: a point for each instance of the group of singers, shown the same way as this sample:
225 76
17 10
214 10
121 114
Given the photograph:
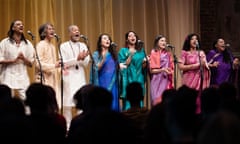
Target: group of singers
111 69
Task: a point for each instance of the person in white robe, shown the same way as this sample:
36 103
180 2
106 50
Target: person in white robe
16 55
75 56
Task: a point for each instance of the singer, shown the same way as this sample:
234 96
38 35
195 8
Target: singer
16 54
220 62
76 58
105 68
161 68
194 65
48 58
132 66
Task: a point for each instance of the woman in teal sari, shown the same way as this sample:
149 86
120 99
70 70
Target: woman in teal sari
104 70
132 63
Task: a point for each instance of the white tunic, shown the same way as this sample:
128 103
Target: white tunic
15 75
74 76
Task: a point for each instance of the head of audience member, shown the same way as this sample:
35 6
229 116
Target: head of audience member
93 98
6 94
46 31
181 116
228 97
209 101
41 99
157 125
134 94
185 107
52 99
168 95
81 97
5 97
192 41
99 99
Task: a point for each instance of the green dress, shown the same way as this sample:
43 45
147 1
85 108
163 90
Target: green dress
133 73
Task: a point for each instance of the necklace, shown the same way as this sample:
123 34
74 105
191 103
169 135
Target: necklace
17 41
73 53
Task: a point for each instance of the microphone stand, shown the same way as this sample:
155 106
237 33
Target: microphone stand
117 70
201 69
145 73
61 72
175 60
92 69
38 60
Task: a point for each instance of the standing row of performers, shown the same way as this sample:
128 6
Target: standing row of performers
111 69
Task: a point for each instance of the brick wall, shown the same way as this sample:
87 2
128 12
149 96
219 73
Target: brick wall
208 22
219 18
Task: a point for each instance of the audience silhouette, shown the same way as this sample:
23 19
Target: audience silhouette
173 121
99 122
48 126
136 113
223 127
13 122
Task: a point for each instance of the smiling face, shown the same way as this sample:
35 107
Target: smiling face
74 33
162 43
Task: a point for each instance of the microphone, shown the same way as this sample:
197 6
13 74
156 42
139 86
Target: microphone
197 44
170 46
140 42
227 45
56 36
113 44
83 37
30 33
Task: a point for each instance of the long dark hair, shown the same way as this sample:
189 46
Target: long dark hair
11 32
138 46
186 44
110 49
226 54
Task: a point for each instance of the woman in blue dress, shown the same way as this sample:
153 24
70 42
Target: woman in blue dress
104 69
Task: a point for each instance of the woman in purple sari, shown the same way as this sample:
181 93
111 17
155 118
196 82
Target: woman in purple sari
220 62
104 70
161 68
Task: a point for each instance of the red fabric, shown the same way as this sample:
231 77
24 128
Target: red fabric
155 59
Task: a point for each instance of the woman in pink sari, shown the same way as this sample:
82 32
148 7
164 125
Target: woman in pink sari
194 67
161 68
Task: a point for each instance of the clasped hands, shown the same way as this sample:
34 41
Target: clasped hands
82 55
